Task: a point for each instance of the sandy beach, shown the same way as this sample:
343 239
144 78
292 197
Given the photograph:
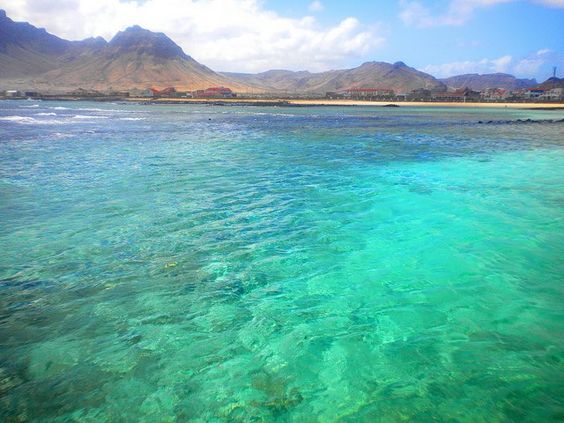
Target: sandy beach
324 102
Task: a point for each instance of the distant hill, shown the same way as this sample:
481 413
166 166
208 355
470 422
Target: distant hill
550 83
398 77
478 82
135 58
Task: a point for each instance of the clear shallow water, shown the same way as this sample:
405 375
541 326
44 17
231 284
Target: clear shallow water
196 263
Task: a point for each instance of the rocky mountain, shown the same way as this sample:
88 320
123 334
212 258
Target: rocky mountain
479 82
138 58
26 50
398 77
31 58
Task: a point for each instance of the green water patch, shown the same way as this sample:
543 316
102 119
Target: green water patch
421 290
300 276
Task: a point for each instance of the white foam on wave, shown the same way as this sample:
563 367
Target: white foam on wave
94 109
46 114
132 118
61 135
32 106
27 120
59 108
89 117
19 119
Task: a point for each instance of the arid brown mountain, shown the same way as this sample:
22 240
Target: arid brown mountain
478 82
398 77
138 58
31 58
26 50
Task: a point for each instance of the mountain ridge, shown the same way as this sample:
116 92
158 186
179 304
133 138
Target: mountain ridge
397 76
136 58
552 82
479 82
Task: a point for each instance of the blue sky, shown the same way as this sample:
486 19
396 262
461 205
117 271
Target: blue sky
482 35
442 37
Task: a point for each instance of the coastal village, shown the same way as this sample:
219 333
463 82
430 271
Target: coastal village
535 94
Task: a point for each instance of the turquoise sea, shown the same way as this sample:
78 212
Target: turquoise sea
245 264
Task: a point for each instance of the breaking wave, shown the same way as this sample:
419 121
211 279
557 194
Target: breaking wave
27 120
20 119
89 117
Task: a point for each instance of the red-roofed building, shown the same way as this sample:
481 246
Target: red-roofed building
167 92
215 92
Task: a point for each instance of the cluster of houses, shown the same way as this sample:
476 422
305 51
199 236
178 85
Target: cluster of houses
370 94
499 94
458 95
461 94
171 92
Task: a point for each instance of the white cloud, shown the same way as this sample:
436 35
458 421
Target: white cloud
539 63
316 6
235 35
458 12
535 65
551 3
444 70
414 13
528 66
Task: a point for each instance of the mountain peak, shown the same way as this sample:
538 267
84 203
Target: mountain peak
92 42
372 64
142 41
25 35
552 82
135 58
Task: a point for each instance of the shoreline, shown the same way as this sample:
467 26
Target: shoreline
343 103
280 102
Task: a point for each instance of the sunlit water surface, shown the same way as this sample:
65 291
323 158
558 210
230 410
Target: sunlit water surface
211 264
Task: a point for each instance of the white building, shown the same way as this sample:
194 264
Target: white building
553 94
12 93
